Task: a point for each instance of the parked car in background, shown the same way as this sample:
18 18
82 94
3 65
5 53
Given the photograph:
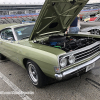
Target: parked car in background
90 18
93 27
86 19
42 47
23 22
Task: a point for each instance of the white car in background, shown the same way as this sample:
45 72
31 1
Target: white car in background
93 27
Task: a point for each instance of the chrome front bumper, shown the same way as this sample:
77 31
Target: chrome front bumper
63 75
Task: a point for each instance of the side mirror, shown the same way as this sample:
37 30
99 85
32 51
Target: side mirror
10 39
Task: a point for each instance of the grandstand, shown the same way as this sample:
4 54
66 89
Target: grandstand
91 9
9 9
10 13
16 13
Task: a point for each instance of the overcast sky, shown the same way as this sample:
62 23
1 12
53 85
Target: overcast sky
33 1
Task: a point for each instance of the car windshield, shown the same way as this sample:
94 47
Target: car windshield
24 31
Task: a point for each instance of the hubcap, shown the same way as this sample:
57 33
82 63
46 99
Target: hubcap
33 73
96 32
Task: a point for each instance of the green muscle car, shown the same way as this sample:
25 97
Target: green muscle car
43 48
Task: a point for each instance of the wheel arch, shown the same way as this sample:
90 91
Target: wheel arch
42 78
25 61
45 72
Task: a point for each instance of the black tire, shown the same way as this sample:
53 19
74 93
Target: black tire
35 74
2 57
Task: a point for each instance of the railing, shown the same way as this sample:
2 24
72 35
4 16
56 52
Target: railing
4 19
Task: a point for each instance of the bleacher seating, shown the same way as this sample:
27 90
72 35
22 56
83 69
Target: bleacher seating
18 18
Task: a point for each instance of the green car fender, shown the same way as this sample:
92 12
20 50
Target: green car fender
44 56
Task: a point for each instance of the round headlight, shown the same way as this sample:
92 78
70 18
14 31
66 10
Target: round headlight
63 62
71 59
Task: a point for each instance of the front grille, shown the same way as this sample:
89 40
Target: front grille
87 53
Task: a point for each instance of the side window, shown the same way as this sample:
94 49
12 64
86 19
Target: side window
7 33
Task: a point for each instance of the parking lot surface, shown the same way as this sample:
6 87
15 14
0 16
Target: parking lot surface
14 79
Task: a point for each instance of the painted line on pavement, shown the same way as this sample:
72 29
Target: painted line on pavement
14 87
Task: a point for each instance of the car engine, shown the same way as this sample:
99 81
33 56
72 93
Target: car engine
68 43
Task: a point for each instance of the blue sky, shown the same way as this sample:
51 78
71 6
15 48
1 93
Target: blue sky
32 1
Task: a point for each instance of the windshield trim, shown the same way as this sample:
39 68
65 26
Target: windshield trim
20 27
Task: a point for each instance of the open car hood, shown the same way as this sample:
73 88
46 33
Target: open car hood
56 16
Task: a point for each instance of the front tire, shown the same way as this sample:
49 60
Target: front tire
36 75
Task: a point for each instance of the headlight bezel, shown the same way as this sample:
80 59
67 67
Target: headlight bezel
71 59
67 60
62 61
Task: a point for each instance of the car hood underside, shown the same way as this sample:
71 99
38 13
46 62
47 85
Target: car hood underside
56 16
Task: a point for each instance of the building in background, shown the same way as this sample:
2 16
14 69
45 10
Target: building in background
10 13
90 9
13 9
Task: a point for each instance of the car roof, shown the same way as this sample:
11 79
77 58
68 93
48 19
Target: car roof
14 25
2 26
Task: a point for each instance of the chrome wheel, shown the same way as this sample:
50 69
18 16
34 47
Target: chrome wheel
33 73
96 31
36 75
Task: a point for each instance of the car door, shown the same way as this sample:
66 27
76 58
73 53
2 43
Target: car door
7 43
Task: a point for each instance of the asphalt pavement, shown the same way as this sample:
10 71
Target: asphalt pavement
16 85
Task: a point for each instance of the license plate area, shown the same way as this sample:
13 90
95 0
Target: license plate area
89 67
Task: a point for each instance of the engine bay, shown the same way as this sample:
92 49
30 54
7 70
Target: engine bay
68 43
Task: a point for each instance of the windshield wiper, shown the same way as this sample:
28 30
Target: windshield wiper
25 37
